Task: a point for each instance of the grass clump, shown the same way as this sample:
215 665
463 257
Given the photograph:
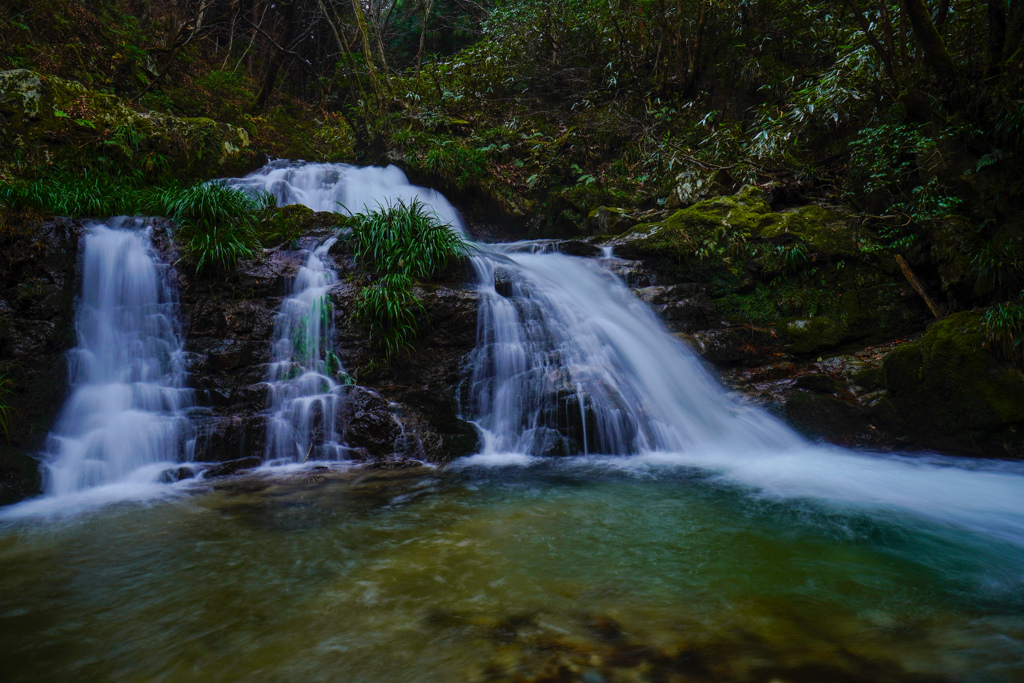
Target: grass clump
1004 331
218 224
399 243
94 195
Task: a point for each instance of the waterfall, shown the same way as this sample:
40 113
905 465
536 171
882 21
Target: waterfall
124 421
305 391
342 188
568 361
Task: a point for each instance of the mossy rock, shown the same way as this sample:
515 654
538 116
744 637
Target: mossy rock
291 222
609 220
825 231
48 119
946 383
809 335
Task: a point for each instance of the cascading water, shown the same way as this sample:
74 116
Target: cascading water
569 362
124 421
342 188
305 391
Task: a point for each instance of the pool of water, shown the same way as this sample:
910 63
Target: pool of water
558 570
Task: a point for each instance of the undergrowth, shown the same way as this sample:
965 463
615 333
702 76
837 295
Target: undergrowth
217 223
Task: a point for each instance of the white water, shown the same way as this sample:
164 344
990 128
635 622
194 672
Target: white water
123 425
571 362
342 188
305 391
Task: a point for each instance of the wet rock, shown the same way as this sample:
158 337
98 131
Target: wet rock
819 384
607 220
232 467
369 423
578 248
38 284
503 279
735 345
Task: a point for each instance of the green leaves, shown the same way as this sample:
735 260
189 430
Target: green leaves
400 242
217 223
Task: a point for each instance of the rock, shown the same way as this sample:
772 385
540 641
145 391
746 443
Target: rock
696 184
38 285
47 118
503 279
820 384
813 334
369 423
232 467
578 248
735 345
607 220
947 390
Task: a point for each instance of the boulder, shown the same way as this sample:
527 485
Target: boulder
947 389
695 184
608 220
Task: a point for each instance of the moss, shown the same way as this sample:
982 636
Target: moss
46 119
827 232
947 383
813 334
291 222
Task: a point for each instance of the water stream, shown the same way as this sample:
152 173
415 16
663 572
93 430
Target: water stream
682 535
305 376
124 424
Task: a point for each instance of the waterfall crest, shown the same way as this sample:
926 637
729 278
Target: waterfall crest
124 420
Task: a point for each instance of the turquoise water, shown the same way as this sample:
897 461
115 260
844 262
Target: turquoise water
563 570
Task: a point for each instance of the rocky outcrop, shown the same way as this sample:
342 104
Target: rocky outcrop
408 409
38 260
47 119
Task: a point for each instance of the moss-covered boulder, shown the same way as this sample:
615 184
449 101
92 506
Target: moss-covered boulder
946 389
809 335
609 220
45 119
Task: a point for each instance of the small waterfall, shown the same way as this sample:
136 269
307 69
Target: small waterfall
342 188
124 421
569 361
305 391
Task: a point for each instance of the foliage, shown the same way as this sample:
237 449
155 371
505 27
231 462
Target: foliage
405 239
389 308
399 242
68 194
217 223
1004 331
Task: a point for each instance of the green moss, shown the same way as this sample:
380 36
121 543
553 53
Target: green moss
813 334
291 222
827 232
948 383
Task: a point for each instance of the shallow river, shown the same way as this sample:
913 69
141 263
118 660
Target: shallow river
585 569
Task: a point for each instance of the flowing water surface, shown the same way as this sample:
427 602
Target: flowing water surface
607 570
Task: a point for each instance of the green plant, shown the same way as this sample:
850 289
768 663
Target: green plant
388 308
456 162
218 223
1004 331
399 242
407 239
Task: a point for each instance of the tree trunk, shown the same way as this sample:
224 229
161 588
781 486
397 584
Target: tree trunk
928 38
291 21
